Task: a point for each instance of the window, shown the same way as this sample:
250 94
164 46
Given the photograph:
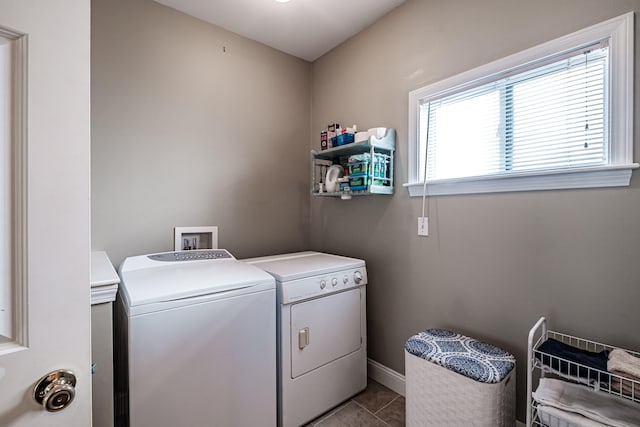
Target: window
556 116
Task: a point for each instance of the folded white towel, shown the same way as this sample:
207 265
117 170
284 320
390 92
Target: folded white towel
555 417
621 361
602 407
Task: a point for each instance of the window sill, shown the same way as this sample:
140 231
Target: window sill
606 176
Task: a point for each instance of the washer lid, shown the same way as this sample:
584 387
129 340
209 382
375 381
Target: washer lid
304 264
162 281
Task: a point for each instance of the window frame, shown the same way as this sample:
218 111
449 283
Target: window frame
620 35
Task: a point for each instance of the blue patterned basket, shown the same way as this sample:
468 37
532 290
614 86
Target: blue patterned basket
474 359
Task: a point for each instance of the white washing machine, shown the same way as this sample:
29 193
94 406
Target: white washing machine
322 339
195 341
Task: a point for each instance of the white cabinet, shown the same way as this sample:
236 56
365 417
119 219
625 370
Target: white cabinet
104 285
376 177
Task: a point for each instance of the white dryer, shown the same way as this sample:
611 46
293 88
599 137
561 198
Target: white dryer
195 342
322 339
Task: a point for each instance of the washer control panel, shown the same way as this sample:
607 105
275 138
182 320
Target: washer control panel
191 255
312 287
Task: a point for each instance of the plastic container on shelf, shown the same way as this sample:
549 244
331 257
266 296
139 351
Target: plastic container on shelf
361 182
361 164
342 139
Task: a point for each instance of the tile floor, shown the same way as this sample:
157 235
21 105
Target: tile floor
377 406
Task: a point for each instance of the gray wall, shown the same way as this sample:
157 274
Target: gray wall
184 133
493 264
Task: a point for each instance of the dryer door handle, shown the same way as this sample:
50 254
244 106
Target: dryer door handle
303 338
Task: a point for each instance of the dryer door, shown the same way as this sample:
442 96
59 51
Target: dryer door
324 329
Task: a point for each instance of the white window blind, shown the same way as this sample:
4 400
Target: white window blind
549 115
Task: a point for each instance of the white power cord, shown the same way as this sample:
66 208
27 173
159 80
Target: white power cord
426 153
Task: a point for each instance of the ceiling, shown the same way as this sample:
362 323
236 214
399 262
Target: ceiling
303 28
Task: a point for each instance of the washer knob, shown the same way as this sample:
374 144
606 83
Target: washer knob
345 279
357 277
323 284
334 282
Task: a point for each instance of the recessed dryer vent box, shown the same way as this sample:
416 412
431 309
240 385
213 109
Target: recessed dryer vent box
190 238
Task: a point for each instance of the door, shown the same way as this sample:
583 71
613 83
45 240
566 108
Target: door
45 206
324 330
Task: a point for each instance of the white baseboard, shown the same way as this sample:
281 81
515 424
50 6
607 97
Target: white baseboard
393 380
385 376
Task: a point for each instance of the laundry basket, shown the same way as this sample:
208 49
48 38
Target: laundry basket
453 380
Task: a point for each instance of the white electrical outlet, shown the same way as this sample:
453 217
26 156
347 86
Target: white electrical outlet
423 226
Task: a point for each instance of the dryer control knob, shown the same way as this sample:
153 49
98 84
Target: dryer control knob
357 277
334 282
345 279
323 284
